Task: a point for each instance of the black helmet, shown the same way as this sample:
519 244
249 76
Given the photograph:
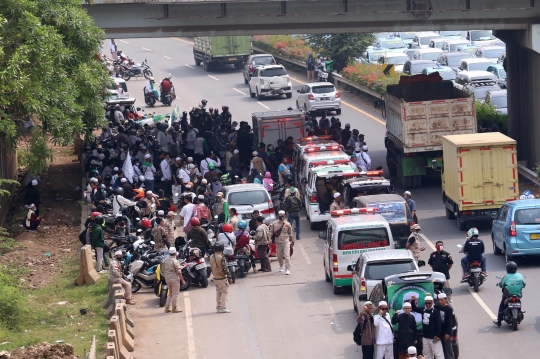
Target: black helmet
108 178
103 187
204 102
511 267
218 247
184 113
119 191
225 108
99 219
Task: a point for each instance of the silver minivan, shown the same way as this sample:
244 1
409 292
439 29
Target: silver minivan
246 198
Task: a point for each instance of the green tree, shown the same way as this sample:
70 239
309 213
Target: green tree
342 48
49 72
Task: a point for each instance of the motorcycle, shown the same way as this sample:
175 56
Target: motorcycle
143 271
197 268
512 313
323 75
244 265
129 69
167 97
474 278
151 97
278 195
161 290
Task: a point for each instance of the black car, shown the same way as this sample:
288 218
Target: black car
363 185
399 288
394 209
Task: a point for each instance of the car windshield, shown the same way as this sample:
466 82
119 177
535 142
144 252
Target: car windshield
381 270
430 55
480 92
247 198
273 72
392 212
417 68
450 33
363 238
493 54
401 60
482 66
263 60
499 101
482 35
455 60
374 56
323 89
453 47
502 73
527 216
447 75
427 39
395 43
406 35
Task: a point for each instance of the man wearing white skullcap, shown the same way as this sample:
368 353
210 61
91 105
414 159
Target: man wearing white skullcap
406 332
431 327
33 195
447 323
115 276
338 203
384 334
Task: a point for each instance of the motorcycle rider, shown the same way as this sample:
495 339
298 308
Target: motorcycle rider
198 235
150 87
115 276
474 249
511 284
242 242
119 201
227 239
166 87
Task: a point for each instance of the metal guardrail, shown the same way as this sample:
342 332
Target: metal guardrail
336 77
528 174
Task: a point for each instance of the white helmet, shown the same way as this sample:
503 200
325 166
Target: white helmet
151 79
472 232
142 178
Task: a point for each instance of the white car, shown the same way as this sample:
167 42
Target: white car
474 64
270 80
319 96
246 198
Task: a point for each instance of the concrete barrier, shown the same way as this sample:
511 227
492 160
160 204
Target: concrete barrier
110 296
127 337
87 272
114 325
112 349
118 295
92 353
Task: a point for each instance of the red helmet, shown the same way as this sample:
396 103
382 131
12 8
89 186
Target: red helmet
195 221
94 214
227 228
146 223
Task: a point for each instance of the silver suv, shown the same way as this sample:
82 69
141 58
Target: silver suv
271 80
246 198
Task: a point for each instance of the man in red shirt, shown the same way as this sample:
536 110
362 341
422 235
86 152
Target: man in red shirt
242 241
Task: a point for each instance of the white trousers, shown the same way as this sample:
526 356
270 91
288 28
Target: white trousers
384 350
432 350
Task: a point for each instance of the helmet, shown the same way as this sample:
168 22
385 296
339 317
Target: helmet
107 178
151 79
99 219
95 214
119 191
145 223
94 172
142 178
204 102
194 221
103 187
347 125
242 224
472 232
218 247
139 193
225 108
227 228
211 165
511 267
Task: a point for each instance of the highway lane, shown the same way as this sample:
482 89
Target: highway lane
290 317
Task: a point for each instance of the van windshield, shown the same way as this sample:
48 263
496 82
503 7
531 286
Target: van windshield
363 238
527 216
247 198
380 270
392 212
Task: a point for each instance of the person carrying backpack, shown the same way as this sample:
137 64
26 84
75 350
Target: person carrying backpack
310 64
293 205
364 334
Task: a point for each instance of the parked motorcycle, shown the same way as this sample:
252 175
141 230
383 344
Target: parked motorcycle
474 278
161 290
512 313
278 195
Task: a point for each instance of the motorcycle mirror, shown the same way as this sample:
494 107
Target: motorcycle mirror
459 246
137 219
498 277
152 242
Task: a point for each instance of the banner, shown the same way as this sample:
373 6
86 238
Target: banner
401 293
151 120
127 168
175 115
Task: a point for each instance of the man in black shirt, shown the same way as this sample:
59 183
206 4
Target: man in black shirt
406 332
474 249
447 323
253 221
431 327
441 261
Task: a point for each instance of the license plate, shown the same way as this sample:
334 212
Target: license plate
535 236
233 263
232 58
325 98
247 216
514 305
277 92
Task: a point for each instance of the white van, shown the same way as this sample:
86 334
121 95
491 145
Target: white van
349 233
313 144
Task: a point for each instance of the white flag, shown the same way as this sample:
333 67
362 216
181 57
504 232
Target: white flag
127 168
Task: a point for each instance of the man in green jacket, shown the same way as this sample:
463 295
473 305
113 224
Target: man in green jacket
98 242
328 65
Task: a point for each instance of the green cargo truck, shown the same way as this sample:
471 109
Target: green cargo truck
221 50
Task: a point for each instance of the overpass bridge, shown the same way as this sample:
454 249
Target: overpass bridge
516 22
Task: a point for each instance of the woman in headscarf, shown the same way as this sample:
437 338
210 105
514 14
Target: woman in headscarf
32 220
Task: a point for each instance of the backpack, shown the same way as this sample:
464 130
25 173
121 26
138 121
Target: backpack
82 236
357 334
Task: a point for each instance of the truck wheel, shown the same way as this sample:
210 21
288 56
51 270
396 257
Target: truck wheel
288 95
391 166
450 214
205 65
407 182
238 65
416 181
462 226
197 62
338 111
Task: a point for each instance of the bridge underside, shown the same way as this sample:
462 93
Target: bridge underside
141 18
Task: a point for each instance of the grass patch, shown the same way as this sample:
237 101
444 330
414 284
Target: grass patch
44 320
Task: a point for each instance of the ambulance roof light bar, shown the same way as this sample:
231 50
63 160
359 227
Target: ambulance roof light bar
315 138
343 212
371 173
322 148
329 162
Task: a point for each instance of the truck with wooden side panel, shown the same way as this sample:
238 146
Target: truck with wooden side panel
213 51
417 116
479 175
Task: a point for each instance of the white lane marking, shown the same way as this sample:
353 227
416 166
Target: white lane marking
125 42
189 327
428 242
482 304
263 105
212 77
304 253
144 48
167 57
333 313
351 106
177 39
239 91
191 67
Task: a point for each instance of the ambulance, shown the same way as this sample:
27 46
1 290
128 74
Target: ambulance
313 144
350 232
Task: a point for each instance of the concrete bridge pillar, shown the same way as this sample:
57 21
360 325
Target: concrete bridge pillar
523 77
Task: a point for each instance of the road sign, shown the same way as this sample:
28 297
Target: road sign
389 70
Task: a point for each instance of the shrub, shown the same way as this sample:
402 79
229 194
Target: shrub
289 46
487 113
370 76
11 309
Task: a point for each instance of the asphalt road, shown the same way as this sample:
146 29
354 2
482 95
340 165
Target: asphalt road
297 316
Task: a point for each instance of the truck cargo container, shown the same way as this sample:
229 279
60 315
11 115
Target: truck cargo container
480 174
213 51
271 126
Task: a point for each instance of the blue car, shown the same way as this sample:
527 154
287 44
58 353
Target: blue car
516 229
